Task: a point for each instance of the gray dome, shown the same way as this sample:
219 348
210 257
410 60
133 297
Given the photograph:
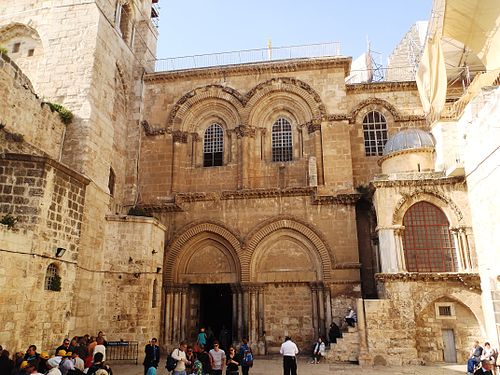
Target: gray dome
408 139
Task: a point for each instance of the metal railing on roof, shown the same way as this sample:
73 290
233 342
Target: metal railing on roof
248 56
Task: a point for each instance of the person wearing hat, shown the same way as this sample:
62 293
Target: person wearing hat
32 355
53 366
31 369
289 351
66 364
42 365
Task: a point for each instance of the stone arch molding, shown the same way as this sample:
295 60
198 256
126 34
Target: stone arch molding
451 210
212 230
376 103
255 237
465 297
306 98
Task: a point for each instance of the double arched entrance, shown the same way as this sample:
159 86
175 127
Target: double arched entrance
265 286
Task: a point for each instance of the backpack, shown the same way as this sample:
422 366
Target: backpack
171 363
248 358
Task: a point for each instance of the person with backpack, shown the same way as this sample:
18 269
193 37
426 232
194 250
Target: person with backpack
178 355
246 356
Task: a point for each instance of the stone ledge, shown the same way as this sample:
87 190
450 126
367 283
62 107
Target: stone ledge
47 161
471 280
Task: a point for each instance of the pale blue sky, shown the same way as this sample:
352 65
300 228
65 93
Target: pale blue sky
191 27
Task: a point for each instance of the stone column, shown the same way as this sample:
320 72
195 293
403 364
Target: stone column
167 316
314 303
458 249
466 251
236 318
184 310
328 306
245 308
315 134
398 236
179 142
321 310
391 249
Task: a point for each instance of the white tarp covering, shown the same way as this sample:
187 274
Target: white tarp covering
361 69
475 23
431 77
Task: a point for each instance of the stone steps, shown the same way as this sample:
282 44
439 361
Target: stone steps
346 349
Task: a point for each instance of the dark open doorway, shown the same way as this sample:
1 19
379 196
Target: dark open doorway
216 311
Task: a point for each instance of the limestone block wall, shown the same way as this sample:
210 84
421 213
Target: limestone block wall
47 199
288 312
403 326
23 113
132 278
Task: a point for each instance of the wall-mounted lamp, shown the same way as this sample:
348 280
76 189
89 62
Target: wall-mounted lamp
60 251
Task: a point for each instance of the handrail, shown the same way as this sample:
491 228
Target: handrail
248 56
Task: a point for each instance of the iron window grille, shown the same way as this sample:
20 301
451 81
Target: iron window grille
375 133
213 146
282 140
50 278
427 240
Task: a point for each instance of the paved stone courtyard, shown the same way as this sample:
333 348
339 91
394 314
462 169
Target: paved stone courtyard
272 365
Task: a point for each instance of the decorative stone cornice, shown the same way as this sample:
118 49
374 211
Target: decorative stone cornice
313 126
180 136
336 117
381 86
245 131
267 193
175 288
347 199
252 287
285 66
316 286
150 131
470 280
347 266
417 179
177 203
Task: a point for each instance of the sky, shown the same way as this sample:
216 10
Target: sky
192 27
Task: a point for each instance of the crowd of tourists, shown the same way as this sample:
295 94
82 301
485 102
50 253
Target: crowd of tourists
483 360
206 356
80 355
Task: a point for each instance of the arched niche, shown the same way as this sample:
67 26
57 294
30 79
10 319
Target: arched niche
285 256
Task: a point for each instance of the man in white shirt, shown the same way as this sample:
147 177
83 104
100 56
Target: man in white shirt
217 359
179 355
289 350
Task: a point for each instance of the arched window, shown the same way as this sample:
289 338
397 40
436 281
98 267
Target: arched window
52 278
154 295
111 181
282 140
375 133
427 241
213 146
124 21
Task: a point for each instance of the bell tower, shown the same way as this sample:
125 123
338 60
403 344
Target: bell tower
89 56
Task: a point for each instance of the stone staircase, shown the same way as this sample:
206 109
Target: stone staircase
346 349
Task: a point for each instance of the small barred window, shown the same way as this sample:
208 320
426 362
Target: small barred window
52 278
213 146
282 140
375 133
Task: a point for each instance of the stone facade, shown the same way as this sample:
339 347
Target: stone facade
279 247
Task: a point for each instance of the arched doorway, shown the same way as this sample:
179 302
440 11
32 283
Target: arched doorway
445 330
202 267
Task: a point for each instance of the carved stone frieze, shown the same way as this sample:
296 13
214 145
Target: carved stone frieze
347 266
180 136
313 126
419 179
348 199
150 131
470 280
244 131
